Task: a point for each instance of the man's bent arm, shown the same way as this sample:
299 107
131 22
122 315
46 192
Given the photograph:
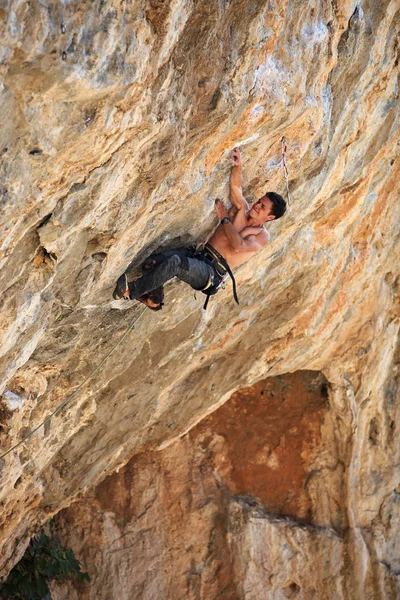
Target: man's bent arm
251 244
250 231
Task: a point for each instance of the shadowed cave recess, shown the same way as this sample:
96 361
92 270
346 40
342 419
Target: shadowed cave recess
183 522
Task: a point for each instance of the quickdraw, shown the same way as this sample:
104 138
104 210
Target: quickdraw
284 165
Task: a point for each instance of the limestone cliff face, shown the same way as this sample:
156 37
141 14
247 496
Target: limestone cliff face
237 508
117 123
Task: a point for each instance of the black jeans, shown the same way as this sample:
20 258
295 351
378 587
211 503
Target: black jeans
173 263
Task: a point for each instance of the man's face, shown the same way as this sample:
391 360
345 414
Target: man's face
262 210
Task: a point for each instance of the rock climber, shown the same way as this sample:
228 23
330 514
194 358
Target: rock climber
239 235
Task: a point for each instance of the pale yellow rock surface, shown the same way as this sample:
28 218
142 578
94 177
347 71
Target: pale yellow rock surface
117 122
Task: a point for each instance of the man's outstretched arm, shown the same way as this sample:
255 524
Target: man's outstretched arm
235 182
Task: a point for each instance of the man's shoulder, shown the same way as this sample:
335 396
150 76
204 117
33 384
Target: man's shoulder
264 236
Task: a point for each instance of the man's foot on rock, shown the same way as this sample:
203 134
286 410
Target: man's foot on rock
121 289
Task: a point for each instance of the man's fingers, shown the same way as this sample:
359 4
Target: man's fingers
219 207
235 156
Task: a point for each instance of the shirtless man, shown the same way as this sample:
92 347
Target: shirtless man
238 237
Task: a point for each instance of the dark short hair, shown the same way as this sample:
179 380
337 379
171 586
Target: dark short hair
278 204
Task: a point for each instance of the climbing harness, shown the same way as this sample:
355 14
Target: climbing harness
221 268
57 410
284 165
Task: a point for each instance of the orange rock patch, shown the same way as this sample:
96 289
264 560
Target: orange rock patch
262 441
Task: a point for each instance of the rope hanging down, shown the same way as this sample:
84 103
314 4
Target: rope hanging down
57 410
285 169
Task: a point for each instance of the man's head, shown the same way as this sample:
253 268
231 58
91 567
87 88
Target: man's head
270 206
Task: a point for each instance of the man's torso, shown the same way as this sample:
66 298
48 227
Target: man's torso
221 243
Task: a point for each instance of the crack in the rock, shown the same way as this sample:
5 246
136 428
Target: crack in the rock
390 568
259 511
135 542
332 468
123 535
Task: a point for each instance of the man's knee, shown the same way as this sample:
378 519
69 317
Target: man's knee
175 262
153 261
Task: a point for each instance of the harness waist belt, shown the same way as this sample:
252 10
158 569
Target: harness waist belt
209 251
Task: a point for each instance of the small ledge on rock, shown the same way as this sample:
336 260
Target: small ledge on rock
13 400
43 221
43 256
291 589
99 256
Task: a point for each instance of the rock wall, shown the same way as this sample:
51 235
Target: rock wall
118 123
250 504
240 507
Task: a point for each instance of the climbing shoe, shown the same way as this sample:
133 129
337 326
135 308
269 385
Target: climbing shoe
121 288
